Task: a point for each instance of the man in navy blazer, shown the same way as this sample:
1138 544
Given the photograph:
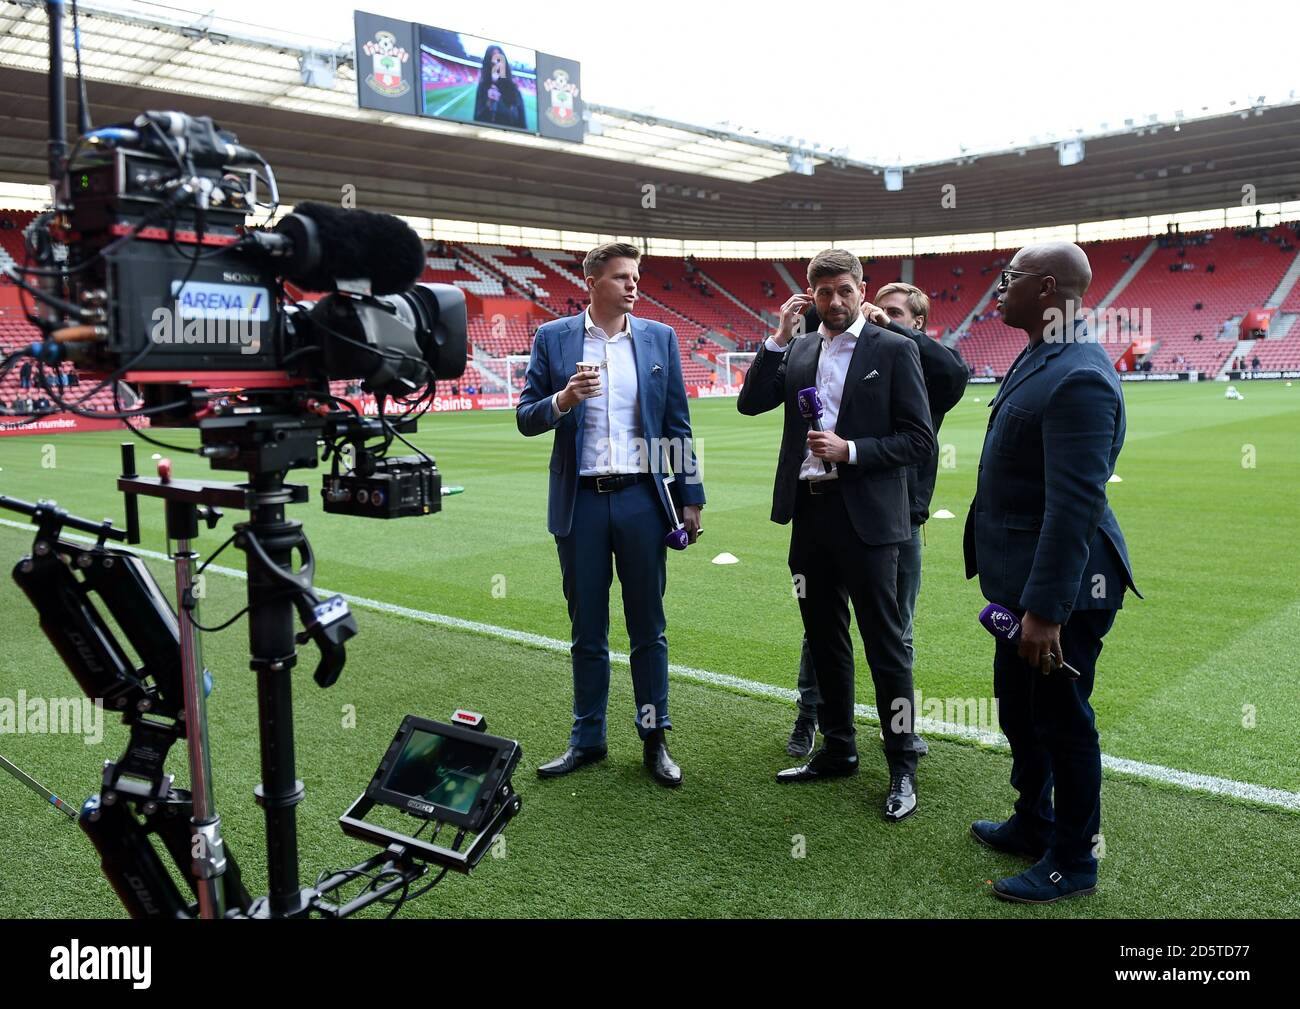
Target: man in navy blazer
1045 544
621 427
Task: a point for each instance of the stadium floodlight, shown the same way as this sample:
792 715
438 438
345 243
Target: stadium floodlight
317 71
1069 152
893 180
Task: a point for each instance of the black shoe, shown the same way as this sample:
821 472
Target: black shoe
900 803
1005 838
662 766
822 765
802 736
918 744
570 760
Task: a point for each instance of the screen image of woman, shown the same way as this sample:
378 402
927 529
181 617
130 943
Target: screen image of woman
498 100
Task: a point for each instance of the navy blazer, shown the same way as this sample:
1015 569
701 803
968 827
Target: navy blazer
1040 533
661 397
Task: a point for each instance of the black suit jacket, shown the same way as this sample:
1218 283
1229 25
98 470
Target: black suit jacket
946 375
883 410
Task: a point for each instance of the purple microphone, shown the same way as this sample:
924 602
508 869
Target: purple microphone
678 538
810 406
1002 623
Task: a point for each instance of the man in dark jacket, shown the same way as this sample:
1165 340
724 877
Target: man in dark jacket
1045 545
903 309
841 484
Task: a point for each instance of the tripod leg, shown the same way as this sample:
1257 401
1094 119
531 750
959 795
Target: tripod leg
271 631
130 863
172 825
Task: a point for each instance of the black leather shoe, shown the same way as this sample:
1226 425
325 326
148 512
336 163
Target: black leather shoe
570 760
900 803
918 744
662 766
802 736
822 765
1005 838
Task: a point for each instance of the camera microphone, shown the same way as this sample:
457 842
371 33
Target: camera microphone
678 538
325 246
1002 623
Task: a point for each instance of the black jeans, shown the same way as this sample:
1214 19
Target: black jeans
833 567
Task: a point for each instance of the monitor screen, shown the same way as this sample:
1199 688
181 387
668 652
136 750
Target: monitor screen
474 80
440 770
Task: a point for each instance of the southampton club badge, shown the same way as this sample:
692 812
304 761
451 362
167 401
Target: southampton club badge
562 92
387 57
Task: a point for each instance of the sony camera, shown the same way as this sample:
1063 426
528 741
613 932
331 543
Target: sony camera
240 330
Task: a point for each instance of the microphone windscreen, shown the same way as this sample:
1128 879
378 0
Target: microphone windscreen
1000 622
810 404
677 539
359 244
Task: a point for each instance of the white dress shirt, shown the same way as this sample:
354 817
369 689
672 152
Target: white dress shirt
832 367
611 426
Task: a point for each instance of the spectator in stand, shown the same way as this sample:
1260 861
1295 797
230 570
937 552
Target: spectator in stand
1254 363
988 371
1209 267
25 375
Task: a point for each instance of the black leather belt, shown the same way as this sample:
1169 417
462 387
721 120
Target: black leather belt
819 487
612 481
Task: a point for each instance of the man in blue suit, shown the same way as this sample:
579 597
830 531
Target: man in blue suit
621 426
1046 545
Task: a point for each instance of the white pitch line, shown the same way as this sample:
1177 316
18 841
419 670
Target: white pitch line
1188 780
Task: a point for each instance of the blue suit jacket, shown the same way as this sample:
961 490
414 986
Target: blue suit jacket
661 396
1040 531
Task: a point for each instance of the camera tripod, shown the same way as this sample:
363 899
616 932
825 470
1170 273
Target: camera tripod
165 699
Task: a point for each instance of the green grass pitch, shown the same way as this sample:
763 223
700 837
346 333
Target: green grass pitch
458 103
1199 677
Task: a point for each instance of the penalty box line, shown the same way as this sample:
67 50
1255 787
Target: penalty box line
1186 780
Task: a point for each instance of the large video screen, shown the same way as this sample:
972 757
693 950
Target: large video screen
474 80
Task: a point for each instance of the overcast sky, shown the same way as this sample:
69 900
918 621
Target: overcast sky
907 82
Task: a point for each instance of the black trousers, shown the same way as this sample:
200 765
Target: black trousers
832 568
1055 750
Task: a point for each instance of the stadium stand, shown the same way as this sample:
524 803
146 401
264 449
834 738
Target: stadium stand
1186 299
718 304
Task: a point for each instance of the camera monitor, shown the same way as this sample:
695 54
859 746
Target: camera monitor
443 772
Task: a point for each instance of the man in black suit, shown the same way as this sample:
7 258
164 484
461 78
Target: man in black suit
845 487
903 309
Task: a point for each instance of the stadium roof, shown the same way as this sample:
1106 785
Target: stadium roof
708 183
